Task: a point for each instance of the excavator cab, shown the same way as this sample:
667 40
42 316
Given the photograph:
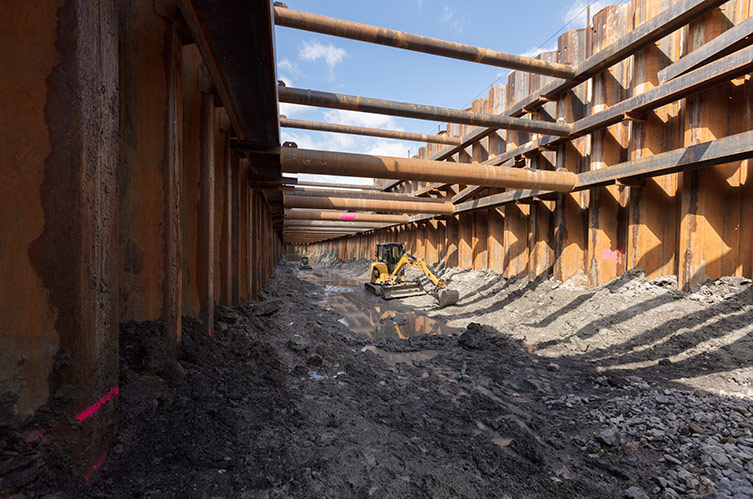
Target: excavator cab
387 275
390 253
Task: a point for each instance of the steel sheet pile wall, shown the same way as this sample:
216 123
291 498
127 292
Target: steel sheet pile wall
120 201
695 224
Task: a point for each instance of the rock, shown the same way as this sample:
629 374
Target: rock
665 362
672 459
314 361
635 492
610 437
694 428
267 308
226 315
720 459
173 373
298 344
553 367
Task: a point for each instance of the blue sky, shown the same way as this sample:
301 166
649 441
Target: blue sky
321 62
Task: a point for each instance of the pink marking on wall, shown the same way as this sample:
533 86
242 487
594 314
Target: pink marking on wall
609 254
347 217
90 411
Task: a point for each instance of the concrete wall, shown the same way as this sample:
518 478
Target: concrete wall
696 225
116 195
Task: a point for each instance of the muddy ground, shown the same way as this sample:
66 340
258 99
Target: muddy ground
524 389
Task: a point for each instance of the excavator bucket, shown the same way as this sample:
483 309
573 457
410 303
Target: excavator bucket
448 297
402 290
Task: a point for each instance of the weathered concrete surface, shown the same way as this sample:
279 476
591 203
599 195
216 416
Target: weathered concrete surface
58 253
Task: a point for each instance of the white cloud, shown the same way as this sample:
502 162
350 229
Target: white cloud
287 81
313 51
389 148
448 17
290 68
291 110
447 14
420 4
577 10
357 118
534 51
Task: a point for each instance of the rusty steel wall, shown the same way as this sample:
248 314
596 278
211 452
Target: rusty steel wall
149 179
108 200
695 224
58 246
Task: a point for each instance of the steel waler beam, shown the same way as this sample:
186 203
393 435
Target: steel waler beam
332 203
296 160
417 43
418 111
372 132
335 215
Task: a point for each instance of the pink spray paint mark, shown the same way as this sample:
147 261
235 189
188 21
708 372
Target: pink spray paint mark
34 436
86 413
211 333
609 254
347 217
96 466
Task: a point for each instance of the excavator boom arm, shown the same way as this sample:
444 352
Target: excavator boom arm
408 259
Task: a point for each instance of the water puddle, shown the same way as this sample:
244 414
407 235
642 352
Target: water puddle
369 315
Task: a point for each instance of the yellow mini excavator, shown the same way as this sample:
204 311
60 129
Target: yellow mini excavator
388 276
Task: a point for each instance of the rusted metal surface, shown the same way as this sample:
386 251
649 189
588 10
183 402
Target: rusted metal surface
58 202
333 203
190 182
634 219
296 214
310 191
333 223
372 132
206 255
304 183
392 38
362 165
417 111
732 40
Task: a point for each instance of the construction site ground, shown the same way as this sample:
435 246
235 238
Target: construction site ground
524 389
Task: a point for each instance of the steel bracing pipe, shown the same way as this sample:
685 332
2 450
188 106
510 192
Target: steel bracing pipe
372 132
296 160
388 196
333 203
333 185
419 111
417 43
332 223
298 214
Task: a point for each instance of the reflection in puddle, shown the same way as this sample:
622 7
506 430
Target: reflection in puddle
393 358
367 314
